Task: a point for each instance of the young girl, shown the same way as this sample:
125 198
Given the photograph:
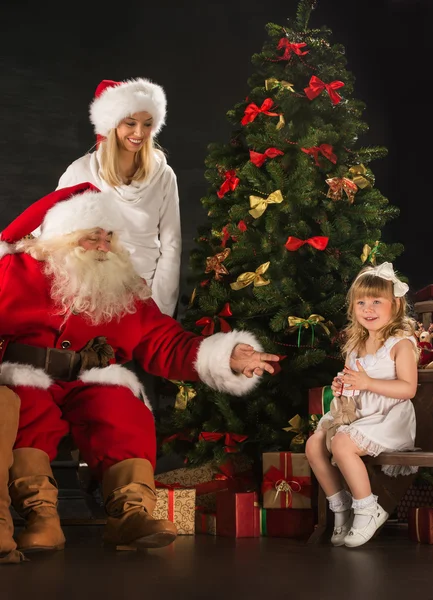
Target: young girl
381 362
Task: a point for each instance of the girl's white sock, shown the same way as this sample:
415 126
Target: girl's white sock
361 521
340 504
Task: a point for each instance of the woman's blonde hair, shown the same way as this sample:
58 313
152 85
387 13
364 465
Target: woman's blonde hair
373 286
144 159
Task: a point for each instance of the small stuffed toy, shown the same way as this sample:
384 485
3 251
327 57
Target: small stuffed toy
343 411
426 356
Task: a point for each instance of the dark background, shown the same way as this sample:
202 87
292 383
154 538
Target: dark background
53 56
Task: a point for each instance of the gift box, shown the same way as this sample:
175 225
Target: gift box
416 496
286 480
279 522
205 522
426 293
319 403
420 525
235 474
176 505
237 514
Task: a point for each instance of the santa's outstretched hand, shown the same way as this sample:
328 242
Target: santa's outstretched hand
247 361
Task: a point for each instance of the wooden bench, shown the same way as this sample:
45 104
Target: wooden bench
390 490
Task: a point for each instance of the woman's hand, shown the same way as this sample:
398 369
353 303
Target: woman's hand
249 362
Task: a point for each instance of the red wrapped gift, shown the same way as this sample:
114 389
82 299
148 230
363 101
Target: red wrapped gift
426 293
205 522
420 525
238 514
319 403
286 480
279 522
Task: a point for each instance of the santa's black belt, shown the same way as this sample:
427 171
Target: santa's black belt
56 362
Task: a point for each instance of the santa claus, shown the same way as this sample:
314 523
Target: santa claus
72 311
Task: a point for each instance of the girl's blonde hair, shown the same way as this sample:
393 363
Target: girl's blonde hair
372 286
144 159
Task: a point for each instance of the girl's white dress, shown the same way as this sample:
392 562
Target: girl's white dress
384 424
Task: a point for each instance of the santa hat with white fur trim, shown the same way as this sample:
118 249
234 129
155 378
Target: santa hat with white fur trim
115 100
64 211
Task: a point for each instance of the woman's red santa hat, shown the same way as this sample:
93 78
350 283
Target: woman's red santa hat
116 100
64 211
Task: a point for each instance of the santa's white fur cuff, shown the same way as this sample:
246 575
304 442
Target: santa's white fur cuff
213 362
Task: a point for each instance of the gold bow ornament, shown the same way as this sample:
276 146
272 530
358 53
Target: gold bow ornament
361 177
252 277
272 83
312 321
299 427
184 395
259 205
369 254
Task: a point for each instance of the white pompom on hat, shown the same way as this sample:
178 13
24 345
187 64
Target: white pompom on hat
64 211
115 100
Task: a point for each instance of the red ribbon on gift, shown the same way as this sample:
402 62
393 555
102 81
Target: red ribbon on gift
283 481
258 159
252 111
325 149
231 183
208 323
230 439
319 242
316 87
170 487
290 47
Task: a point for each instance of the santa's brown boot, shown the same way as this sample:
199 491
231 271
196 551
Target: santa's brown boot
129 494
10 413
34 493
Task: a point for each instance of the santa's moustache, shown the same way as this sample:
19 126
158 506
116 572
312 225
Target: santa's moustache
100 285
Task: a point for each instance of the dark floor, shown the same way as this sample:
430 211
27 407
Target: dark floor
207 567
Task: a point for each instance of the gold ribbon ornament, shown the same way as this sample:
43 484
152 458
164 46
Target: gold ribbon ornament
252 277
299 427
272 83
259 205
360 176
184 395
339 184
312 321
214 263
369 254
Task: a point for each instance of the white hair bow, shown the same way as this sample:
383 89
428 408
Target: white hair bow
386 271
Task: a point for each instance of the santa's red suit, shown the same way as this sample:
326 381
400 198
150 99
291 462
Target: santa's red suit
109 420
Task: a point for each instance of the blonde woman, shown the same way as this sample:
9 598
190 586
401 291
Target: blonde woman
127 116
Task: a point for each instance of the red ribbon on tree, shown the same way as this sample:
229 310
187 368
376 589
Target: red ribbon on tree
290 47
230 439
231 183
325 149
182 435
258 159
319 242
252 111
316 87
209 322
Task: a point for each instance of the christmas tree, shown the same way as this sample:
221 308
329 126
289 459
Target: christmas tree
293 215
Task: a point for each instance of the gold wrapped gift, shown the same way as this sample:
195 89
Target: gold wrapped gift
178 506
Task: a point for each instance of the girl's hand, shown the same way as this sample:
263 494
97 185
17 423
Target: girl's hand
337 385
357 380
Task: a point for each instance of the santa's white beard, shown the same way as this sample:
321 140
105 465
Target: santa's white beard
100 285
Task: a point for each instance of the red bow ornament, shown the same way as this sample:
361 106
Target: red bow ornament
252 111
208 323
319 242
230 439
325 149
289 47
316 87
258 159
339 184
231 183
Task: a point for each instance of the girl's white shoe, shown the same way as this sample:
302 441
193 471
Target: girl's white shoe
358 537
340 533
